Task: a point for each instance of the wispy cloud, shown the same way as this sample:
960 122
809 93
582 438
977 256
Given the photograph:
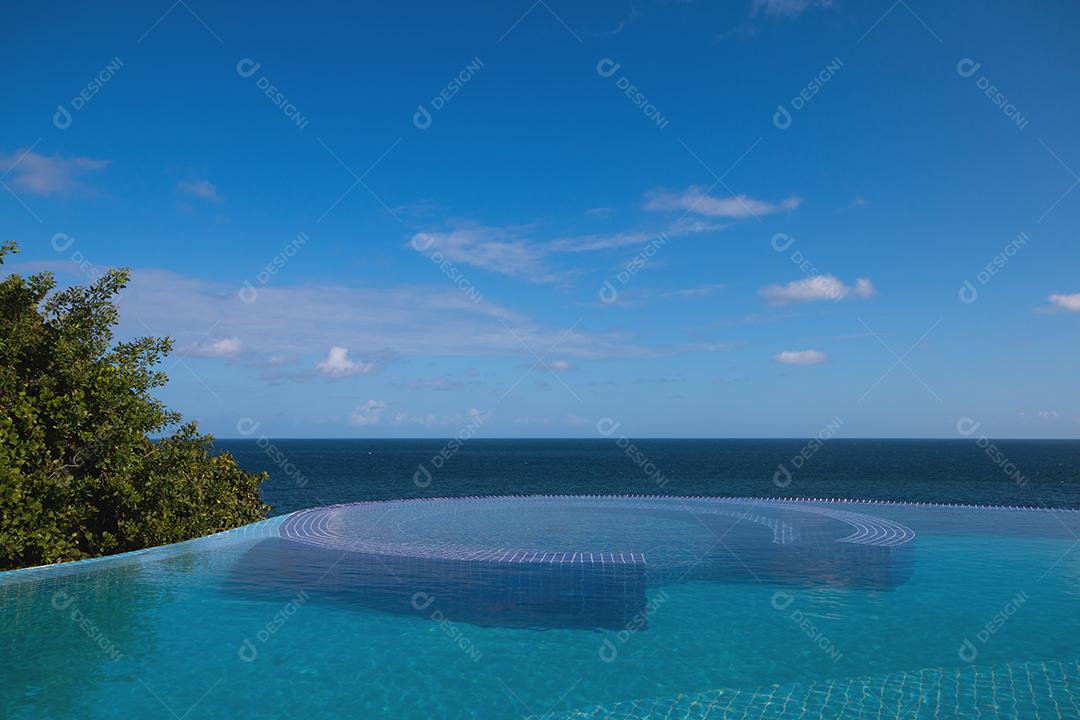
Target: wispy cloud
338 365
290 322
786 8
800 357
626 21
709 347
368 414
442 384
507 251
1040 415
48 174
499 250
820 287
636 297
202 189
473 417
224 348
695 200
1058 301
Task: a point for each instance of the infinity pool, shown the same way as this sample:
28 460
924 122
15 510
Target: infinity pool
564 607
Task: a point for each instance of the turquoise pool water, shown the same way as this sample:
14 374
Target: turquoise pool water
488 608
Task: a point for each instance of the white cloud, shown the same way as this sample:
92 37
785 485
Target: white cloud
694 199
338 365
819 287
607 241
443 384
560 365
493 249
473 418
224 348
801 357
601 241
368 414
291 322
506 251
203 189
692 293
636 297
1065 302
1044 416
710 347
48 175
786 8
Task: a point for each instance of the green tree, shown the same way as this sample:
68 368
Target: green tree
80 474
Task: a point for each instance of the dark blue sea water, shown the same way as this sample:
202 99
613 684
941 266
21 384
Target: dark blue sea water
307 473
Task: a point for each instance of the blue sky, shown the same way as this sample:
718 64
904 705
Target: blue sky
411 219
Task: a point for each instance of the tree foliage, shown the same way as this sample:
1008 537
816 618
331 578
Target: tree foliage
91 463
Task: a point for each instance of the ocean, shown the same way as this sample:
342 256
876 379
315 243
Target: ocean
309 473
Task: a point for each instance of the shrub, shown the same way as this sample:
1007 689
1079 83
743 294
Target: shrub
87 466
